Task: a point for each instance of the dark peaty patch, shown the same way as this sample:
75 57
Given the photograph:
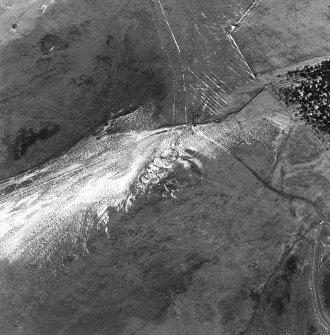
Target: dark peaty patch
326 289
50 41
27 137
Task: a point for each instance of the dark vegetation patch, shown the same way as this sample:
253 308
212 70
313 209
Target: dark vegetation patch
277 305
312 329
291 265
191 152
278 294
52 42
326 289
67 260
255 296
7 190
163 281
83 81
27 137
310 90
